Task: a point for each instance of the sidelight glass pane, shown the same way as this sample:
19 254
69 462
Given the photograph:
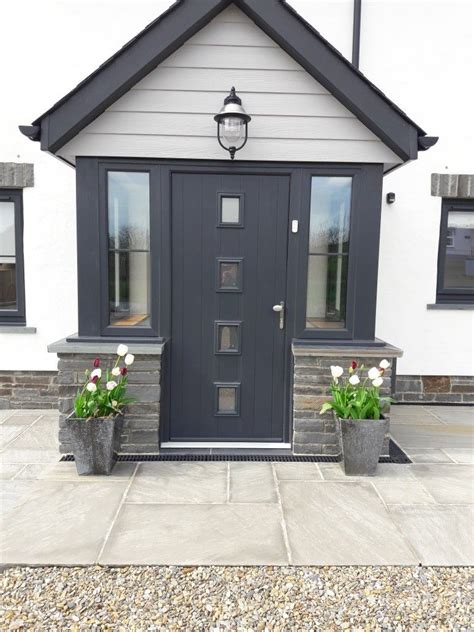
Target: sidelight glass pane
227 400
230 210
327 289
229 275
330 214
228 338
8 290
129 248
328 252
459 259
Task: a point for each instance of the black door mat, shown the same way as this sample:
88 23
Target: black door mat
396 456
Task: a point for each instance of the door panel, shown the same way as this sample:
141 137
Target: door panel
228 270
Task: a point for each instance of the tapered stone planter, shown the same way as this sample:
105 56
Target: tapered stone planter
95 443
362 442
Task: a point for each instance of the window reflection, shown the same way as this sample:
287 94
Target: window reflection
8 289
328 252
459 257
129 248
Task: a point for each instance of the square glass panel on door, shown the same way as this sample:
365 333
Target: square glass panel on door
228 356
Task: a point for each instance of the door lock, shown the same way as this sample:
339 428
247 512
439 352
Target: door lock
280 308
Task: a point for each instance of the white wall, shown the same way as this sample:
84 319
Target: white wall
418 52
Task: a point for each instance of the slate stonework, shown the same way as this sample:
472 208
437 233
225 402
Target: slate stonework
28 389
319 434
438 389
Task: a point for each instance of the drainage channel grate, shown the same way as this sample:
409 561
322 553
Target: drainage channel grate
396 456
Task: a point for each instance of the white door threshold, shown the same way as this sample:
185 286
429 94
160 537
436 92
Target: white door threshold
226 444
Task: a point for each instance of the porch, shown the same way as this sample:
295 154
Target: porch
242 513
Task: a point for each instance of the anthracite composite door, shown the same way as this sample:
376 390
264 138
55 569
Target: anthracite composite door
229 253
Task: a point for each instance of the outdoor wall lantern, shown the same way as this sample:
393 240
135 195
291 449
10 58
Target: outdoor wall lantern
232 124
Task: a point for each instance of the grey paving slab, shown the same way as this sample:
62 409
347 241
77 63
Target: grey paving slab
42 434
297 471
26 455
197 534
66 471
180 482
402 492
9 434
31 471
8 470
428 455
340 524
252 483
60 523
448 484
442 535
417 416
460 455
433 436
4 415
453 414
12 493
335 472
23 419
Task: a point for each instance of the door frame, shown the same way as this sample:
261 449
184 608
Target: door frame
169 168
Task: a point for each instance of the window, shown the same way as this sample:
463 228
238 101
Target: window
12 292
230 210
328 252
456 252
129 248
227 399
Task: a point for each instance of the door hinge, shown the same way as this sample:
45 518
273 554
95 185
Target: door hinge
294 226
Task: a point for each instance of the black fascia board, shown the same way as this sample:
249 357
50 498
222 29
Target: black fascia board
123 70
185 18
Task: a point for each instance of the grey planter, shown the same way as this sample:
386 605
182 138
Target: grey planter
362 443
95 443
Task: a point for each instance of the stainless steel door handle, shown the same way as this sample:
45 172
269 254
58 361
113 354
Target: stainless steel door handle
280 308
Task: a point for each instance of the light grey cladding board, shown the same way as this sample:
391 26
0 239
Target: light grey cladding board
169 113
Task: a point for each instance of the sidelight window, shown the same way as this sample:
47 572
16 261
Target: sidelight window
12 293
328 254
129 248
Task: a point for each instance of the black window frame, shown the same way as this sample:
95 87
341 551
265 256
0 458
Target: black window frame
16 316
450 295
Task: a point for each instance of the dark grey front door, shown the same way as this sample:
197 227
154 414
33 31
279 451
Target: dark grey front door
229 253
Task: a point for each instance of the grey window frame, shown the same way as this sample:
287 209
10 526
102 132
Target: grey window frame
364 234
16 316
450 295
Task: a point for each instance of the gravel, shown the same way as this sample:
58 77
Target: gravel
276 599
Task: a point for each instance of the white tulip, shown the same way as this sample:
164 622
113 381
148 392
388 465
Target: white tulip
129 359
374 373
116 371
378 381
96 373
384 364
111 385
336 371
354 380
122 350
91 387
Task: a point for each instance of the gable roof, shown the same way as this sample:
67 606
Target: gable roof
181 21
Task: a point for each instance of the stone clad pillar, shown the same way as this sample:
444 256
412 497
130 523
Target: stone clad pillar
317 434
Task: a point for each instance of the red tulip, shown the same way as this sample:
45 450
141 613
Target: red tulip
354 365
96 363
95 379
124 371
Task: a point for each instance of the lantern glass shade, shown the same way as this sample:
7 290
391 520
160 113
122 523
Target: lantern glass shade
232 131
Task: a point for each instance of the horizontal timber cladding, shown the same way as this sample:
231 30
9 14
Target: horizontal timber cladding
169 113
319 434
141 422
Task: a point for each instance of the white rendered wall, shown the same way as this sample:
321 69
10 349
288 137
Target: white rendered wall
418 52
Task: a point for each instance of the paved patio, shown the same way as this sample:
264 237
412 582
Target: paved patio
239 513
